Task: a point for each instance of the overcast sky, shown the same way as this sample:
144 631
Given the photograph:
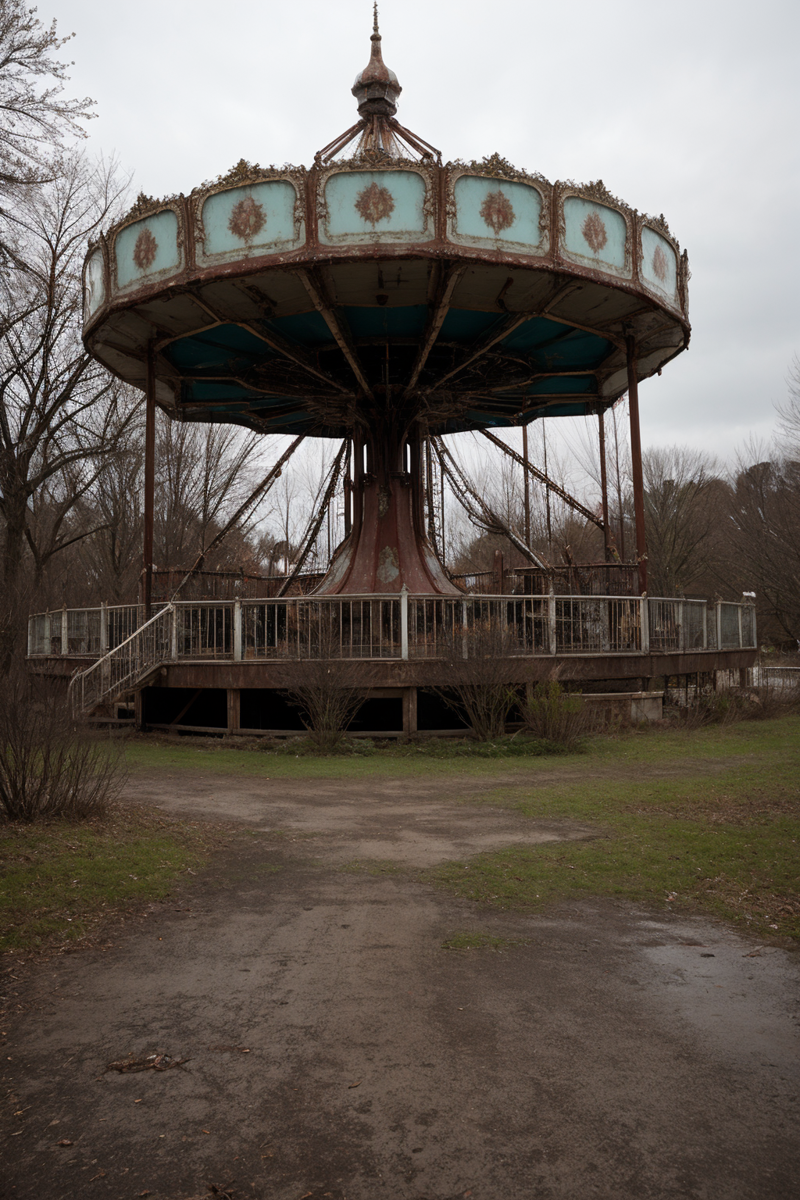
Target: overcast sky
688 108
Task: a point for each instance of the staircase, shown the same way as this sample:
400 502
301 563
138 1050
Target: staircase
127 667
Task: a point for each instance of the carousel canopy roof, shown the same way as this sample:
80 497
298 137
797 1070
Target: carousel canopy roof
465 295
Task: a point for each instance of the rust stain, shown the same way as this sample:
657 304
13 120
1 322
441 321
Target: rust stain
659 264
247 219
594 231
144 251
497 211
375 204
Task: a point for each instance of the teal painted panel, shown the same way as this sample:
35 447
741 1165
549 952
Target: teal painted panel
374 206
464 324
147 248
659 266
94 286
248 220
574 351
306 329
217 391
595 234
492 211
406 322
563 383
217 349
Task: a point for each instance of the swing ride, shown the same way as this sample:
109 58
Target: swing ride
385 300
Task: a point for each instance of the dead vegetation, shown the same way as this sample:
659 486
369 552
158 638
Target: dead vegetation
50 766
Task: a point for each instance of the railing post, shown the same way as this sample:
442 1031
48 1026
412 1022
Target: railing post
237 629
644 622
739 615
404 622
464 642
48 633
64 632
551 623
173 633
605 622
103 628
705 624
719 625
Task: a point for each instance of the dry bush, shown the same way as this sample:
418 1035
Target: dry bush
729 705
477 685
49 766
555 715
322 686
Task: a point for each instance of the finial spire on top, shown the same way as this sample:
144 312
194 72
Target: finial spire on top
380 136
376 87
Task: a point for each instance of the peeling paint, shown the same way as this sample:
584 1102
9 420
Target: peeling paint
388 565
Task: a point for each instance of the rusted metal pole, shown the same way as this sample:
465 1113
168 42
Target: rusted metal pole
547 495
527 486
417 486
149 483
636 465
348 490
357 487
431 517
604 483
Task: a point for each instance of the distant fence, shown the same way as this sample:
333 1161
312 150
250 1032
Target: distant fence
403 626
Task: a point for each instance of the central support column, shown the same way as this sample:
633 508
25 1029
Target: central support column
387 548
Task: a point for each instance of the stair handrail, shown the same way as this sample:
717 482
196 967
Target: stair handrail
103 668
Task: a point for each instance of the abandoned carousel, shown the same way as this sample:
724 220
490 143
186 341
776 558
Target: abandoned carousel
387 301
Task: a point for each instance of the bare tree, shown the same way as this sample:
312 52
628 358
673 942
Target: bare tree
35 117
58 407
202 472
684 508
765 522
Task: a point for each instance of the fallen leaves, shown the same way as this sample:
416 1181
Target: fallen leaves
153 1062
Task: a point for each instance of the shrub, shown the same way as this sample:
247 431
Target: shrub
322 685
49 766
476 683
554 715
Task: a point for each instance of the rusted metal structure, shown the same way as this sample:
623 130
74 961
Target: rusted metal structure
386 299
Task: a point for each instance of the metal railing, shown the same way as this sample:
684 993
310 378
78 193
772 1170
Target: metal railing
83 632
122 668
399 626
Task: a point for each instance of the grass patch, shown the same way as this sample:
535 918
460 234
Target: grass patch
59 883
718 832
461 757
480 941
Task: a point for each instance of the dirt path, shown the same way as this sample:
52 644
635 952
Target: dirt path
336 1050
